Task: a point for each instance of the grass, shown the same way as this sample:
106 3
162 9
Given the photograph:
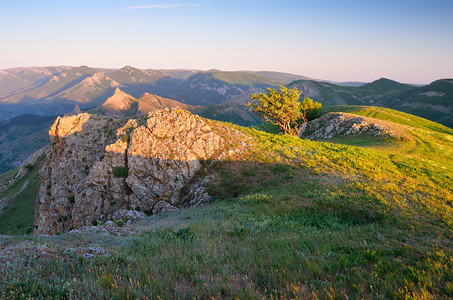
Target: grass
290 218
17 218
391 115
8 174
120 171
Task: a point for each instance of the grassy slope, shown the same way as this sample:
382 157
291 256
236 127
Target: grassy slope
229 111
18 217
247 79
388 93
23 135
391 115
16 151
291 218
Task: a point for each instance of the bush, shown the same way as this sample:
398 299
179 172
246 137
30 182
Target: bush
119 223
125 138
120 172
71 199
185 234
256 198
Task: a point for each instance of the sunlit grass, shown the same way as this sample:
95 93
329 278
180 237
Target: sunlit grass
290 218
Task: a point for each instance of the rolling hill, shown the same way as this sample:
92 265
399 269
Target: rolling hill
290 218
433 101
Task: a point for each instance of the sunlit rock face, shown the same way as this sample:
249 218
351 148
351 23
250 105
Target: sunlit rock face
103 168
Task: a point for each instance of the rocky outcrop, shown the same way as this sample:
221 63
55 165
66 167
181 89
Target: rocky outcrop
112 168
30 161
335 124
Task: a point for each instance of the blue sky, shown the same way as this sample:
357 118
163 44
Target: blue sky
341 40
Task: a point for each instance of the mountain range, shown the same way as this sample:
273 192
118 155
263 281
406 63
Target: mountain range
31 93
56 90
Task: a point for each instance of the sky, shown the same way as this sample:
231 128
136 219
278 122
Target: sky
338 40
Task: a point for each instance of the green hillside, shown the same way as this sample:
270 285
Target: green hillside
433 101
438 92
282 76
248 79
17 218
391 115
425 142
230 111
291 218
20 137
383 85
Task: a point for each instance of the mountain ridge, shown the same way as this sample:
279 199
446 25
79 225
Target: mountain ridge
55 90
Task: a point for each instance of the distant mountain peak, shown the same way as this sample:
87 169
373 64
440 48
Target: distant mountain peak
129 69
383 79
75 111
119 100
120 92
384 85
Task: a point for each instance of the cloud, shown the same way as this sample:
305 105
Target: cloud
157 6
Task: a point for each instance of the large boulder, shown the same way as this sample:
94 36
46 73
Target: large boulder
335 124
100 168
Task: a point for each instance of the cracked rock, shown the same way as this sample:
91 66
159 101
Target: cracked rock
110 168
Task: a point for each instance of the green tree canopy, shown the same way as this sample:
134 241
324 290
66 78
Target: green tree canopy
310 109
282 108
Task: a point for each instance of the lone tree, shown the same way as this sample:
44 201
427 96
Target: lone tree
282 108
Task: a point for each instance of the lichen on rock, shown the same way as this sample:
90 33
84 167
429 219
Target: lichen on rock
101 167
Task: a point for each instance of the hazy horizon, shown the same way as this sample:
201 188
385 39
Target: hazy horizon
406 41
207 70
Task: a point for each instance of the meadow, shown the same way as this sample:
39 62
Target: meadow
290 218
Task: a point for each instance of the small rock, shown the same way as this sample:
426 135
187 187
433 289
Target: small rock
125 215
88 255
95 250
163 207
